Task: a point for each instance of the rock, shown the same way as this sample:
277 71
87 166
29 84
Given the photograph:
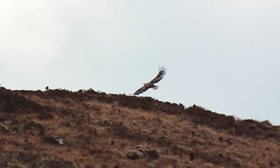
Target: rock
4 127
138 152
7 122
231 140
135 154
54 140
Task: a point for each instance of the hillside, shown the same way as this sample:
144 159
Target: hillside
89 129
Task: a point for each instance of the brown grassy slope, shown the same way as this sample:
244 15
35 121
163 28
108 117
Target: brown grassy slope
59 128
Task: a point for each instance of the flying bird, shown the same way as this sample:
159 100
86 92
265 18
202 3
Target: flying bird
151 84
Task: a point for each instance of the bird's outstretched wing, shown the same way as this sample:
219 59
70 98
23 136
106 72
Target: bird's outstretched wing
141 90
160 75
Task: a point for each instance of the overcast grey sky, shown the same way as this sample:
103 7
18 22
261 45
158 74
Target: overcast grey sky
221 55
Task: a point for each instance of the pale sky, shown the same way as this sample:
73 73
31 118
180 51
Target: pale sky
221 55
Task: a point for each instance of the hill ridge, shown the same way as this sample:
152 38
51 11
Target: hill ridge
138 131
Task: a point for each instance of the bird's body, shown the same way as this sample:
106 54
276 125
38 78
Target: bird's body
151 84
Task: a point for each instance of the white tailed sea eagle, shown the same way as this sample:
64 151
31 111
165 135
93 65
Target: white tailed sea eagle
151 84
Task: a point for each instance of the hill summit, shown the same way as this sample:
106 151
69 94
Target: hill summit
89 129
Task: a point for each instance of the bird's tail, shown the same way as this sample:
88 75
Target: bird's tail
155 87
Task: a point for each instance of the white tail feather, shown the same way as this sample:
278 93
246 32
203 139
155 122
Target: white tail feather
155 87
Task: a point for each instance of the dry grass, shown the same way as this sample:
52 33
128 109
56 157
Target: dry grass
100 130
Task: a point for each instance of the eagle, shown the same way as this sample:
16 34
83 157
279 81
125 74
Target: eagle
151 84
